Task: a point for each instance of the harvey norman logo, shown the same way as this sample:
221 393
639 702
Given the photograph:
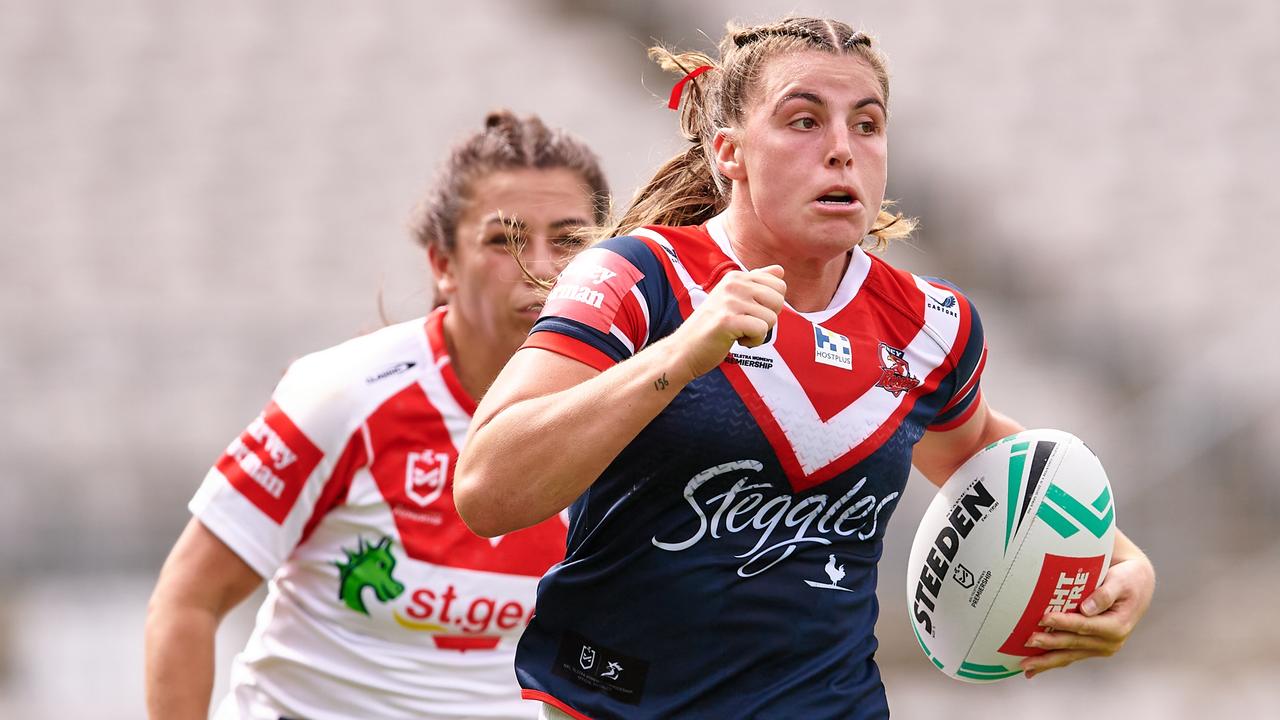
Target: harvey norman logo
577 281
783 522
831 348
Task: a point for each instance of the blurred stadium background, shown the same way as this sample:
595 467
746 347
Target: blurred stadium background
192 194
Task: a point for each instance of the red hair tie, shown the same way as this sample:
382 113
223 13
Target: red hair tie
675 91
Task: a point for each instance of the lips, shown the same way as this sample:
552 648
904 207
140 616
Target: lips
838 196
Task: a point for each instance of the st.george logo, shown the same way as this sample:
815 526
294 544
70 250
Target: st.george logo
425 474
368 566
895 373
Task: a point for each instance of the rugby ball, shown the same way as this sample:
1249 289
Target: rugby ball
1023 528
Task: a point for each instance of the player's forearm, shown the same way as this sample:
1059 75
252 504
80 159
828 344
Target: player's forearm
1125 549
535 457
179 661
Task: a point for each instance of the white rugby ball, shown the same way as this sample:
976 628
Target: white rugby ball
1024 527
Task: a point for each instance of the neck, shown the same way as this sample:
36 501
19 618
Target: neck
474 360
811 280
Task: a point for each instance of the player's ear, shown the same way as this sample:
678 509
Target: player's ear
728 154
442 269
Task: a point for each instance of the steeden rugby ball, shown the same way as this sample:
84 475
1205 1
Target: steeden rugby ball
1023 528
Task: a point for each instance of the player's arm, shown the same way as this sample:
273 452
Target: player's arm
550 424
939 454
201 581
1107 617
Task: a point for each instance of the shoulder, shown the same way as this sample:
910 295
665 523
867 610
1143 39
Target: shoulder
937 305
915 294
331 390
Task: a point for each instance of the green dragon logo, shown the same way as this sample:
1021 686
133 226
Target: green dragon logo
368 566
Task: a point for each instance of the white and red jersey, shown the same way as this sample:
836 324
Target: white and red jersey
381 603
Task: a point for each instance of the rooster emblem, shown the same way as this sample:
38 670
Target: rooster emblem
835 573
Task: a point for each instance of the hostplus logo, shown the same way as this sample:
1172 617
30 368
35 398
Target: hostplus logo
831 348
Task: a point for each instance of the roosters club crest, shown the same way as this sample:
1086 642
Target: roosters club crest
895 375
425 474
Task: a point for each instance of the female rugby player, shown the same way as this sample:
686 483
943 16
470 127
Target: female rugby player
380 602
730 395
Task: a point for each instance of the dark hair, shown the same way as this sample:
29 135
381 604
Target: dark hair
507 142
687 189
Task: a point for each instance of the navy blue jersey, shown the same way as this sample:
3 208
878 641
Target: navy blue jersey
724 565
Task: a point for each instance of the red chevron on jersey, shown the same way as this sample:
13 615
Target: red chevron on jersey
413 468
798 401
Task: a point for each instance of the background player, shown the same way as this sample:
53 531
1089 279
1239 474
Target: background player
380 602
732 403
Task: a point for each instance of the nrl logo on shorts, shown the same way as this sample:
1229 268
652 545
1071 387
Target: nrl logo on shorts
895 375
424 476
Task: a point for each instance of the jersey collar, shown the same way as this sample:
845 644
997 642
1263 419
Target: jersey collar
854 275
440 355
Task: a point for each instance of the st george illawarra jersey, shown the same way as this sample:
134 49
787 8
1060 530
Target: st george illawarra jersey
381 603
724 565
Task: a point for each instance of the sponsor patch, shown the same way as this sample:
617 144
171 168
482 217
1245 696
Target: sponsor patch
831 348
270 462
1064 583
591 289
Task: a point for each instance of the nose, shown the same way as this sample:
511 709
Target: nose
540 257
839 152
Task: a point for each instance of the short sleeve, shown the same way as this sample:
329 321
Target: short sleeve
968 356
260 495
606 305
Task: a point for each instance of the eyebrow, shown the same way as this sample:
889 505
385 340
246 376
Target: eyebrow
813 98
515 223
569 222
499 218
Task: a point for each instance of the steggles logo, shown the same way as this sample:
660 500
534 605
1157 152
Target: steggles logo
747 507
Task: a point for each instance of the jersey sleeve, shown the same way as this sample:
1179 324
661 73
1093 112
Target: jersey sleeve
607 305
968 356
262 493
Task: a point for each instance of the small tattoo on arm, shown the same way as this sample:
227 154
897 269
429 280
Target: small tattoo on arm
661 383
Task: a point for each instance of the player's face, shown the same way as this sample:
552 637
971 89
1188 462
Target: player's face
480 278
814 151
